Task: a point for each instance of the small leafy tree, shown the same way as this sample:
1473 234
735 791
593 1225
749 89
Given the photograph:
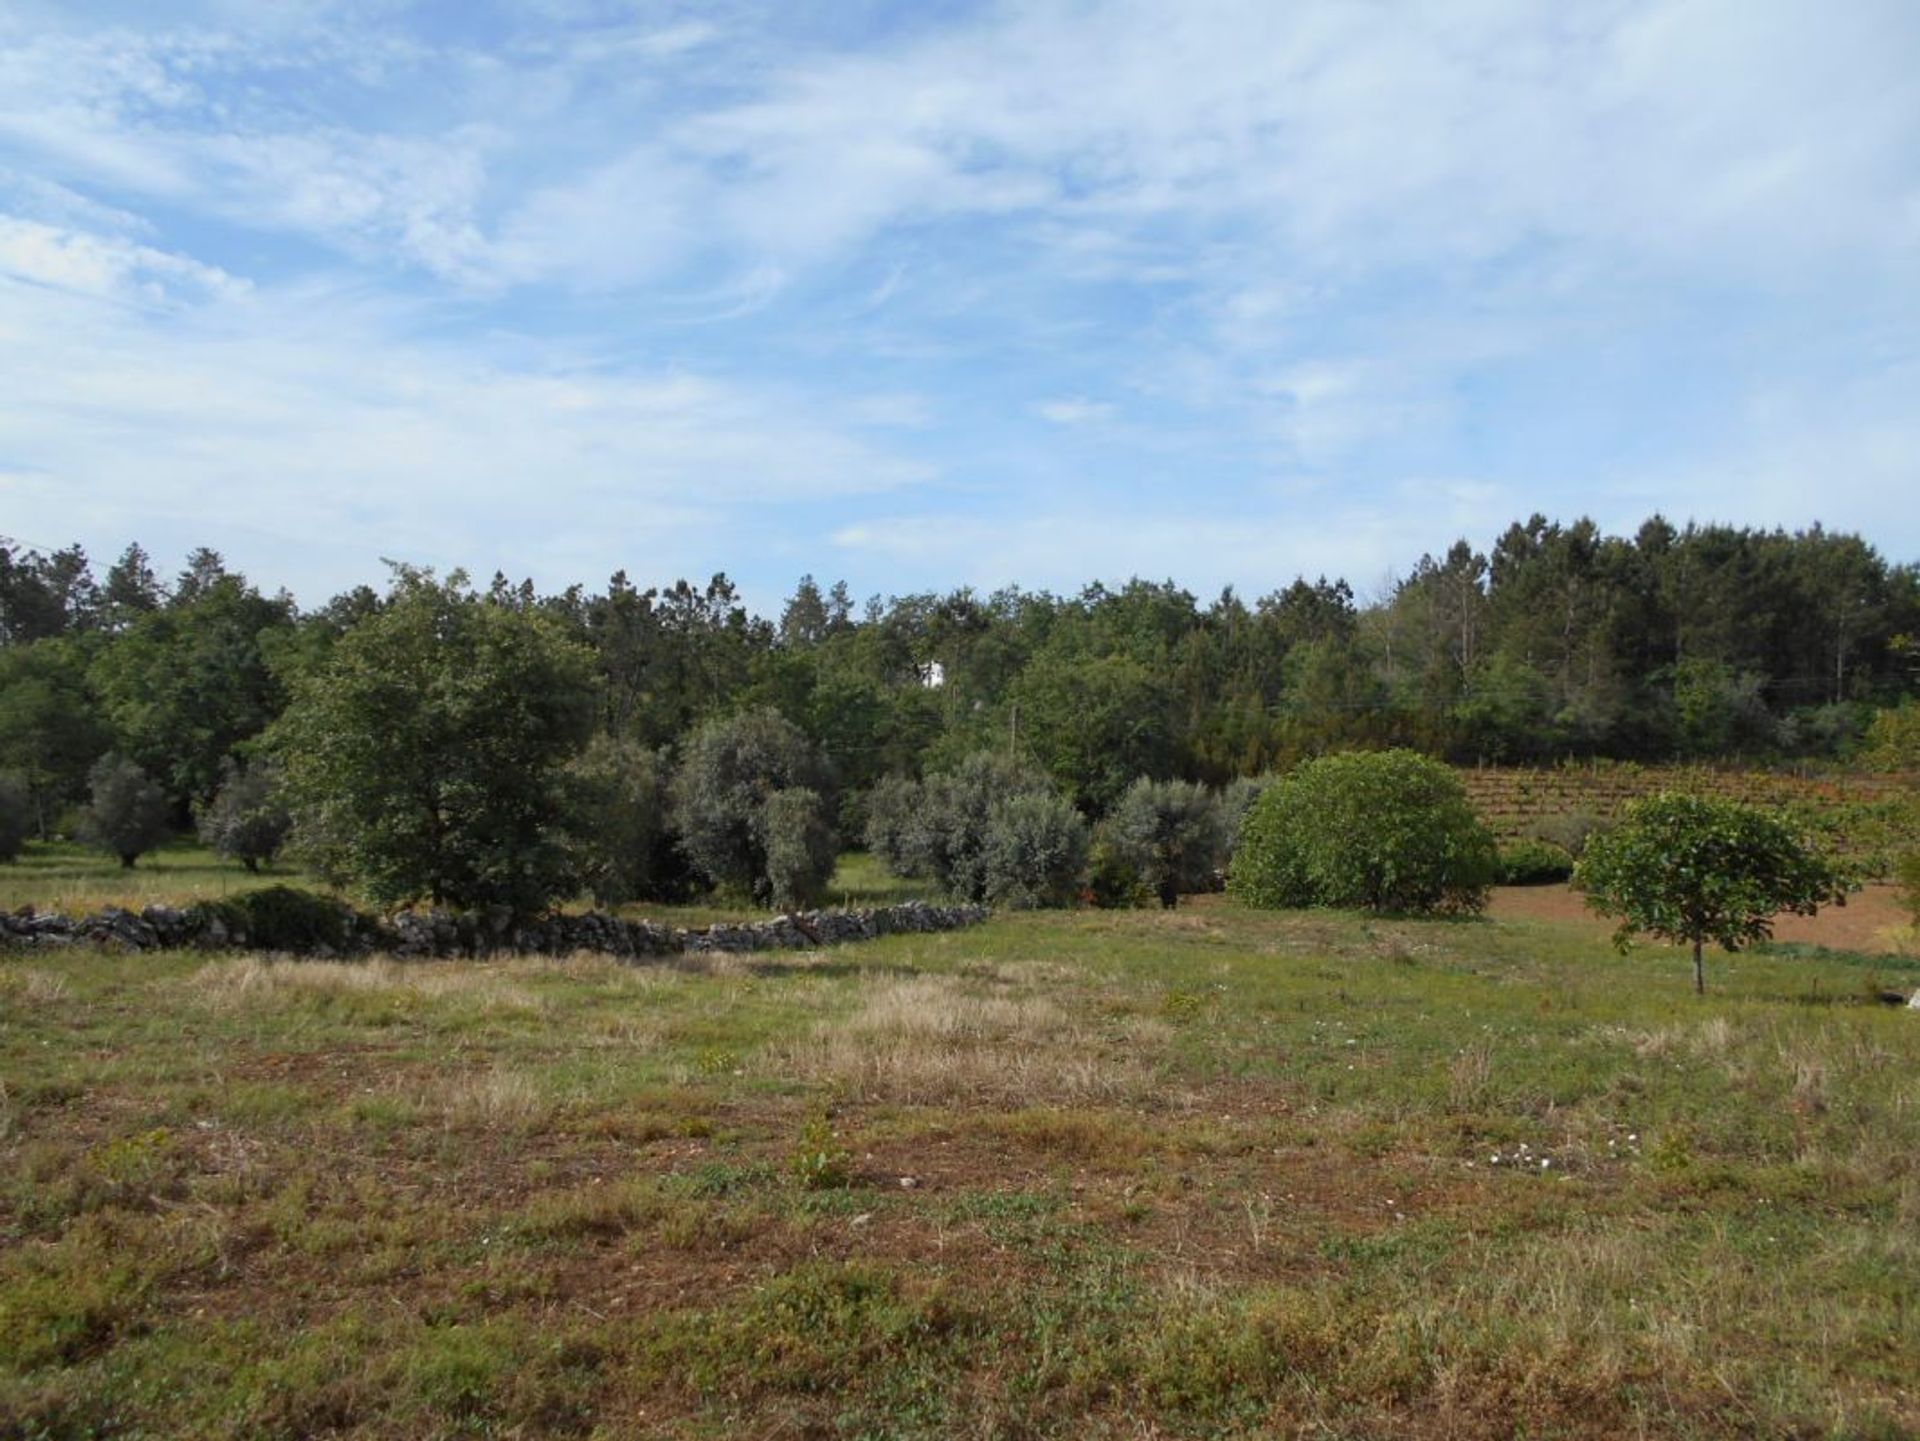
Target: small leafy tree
127 813
1371 830
246 821
1693 869
1174 834
16 816
730 771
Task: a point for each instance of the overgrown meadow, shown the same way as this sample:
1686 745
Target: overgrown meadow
1204 1172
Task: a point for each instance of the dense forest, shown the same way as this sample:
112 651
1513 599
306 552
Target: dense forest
1558 641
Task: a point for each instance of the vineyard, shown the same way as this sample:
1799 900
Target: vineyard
1869 818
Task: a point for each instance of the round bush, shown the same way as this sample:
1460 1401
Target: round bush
1377 831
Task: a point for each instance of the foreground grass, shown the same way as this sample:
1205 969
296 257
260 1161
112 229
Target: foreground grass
1208 1172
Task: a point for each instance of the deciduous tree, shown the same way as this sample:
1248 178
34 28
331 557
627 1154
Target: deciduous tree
1694 869
424 759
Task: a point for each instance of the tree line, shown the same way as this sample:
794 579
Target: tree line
1559 640
1703 641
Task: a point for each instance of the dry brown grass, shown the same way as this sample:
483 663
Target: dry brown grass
254 981
933 1039
497 1099
33 986
1700 1040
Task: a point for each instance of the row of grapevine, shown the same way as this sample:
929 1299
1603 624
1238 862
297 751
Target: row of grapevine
1870 818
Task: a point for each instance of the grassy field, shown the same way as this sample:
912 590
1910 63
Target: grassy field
65 876
61 876
1209 1172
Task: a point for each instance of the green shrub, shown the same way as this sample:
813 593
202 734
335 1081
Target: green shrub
1036 854
1378 831
281 918
1533 863
994 830
1114 882
820 1162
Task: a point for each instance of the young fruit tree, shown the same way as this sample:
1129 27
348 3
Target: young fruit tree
1693 869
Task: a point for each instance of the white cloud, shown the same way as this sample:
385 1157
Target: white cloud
103 265
1074 411
313 424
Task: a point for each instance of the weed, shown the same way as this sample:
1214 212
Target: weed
820 1162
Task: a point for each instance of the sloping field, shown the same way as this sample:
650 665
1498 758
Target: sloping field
1208 1172
1867 817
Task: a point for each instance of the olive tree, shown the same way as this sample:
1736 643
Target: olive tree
995 829
1173 833
127 810
801 847
731 827
247 820
1693 869
424 757
1370 830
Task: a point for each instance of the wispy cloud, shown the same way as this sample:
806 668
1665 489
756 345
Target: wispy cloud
1073 411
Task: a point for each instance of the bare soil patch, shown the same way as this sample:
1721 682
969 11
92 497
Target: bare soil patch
1872 921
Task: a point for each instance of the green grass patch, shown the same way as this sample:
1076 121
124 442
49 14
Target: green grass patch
1208 1172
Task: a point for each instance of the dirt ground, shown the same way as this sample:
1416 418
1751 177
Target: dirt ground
1871 921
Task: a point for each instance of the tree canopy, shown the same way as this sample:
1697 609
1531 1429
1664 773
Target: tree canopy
1697 869
423 759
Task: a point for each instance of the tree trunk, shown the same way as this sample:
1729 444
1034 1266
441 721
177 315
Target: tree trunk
126 862
1699 970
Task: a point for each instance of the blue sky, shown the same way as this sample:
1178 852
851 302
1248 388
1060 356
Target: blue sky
931 294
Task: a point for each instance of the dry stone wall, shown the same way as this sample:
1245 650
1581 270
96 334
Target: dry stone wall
435 933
